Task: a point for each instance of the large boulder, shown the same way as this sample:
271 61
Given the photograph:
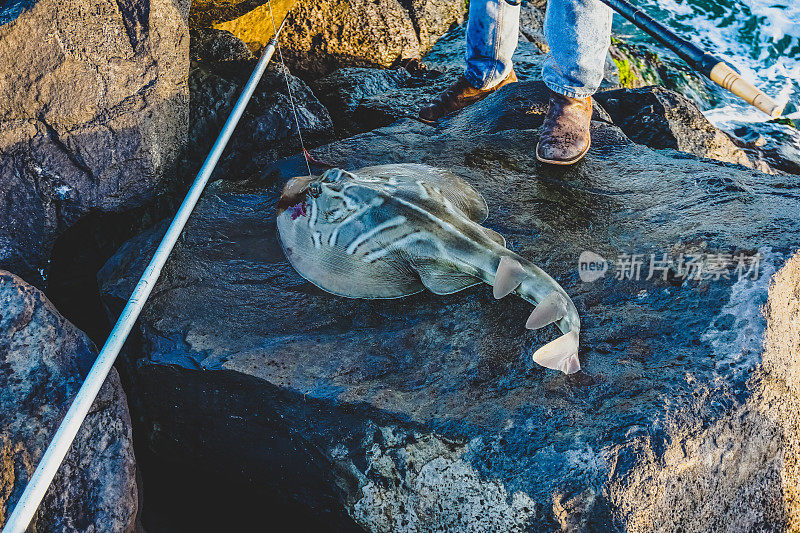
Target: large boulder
781 383
43 359
749 455
427 413
349 93
322 36
221 65
661 118
93 108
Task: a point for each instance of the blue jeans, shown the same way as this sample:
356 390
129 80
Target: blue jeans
578 33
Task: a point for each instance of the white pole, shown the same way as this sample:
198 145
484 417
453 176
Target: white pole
59 446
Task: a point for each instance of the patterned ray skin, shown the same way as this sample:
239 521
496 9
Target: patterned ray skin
390 231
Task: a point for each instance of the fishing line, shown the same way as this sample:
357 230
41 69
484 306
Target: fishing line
289 91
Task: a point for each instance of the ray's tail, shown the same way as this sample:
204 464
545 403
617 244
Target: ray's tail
553 306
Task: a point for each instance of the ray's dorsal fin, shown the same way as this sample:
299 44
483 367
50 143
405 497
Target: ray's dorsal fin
460 193
493 235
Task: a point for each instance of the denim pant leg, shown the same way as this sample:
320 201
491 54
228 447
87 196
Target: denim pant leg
578 33
492 34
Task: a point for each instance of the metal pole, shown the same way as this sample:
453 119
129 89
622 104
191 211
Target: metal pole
59 446
714 68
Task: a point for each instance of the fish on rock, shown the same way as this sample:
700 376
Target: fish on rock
393 230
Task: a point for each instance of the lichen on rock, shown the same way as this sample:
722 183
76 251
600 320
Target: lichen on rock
322 36
420 482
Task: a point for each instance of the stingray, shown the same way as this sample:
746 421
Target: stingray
390 231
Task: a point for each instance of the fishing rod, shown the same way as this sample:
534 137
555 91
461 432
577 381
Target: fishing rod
714 68
62 440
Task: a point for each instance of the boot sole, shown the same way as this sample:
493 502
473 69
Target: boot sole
564 161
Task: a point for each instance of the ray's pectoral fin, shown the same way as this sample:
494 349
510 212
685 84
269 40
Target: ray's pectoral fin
560 354
460 193
508 277
441 277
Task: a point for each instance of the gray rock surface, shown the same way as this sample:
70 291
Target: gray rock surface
93 108
43 359
427 413
781 384
712 477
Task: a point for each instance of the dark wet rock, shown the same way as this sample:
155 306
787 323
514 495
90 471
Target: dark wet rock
43 359
322 36
531 23
660 118
93 107
267 129
778 145
345 91
403 101
218 46
427 412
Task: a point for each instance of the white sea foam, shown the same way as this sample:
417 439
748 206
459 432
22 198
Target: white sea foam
737 346
760 37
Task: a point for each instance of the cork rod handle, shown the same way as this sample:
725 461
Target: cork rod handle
728 78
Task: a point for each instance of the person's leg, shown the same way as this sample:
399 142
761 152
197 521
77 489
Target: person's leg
492 34
578 33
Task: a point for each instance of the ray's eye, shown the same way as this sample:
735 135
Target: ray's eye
333 175
314 189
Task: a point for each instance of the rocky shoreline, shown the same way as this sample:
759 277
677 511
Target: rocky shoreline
424 414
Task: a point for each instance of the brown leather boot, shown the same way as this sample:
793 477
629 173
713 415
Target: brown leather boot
565 133
457 97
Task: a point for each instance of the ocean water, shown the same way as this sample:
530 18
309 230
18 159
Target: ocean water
760 37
